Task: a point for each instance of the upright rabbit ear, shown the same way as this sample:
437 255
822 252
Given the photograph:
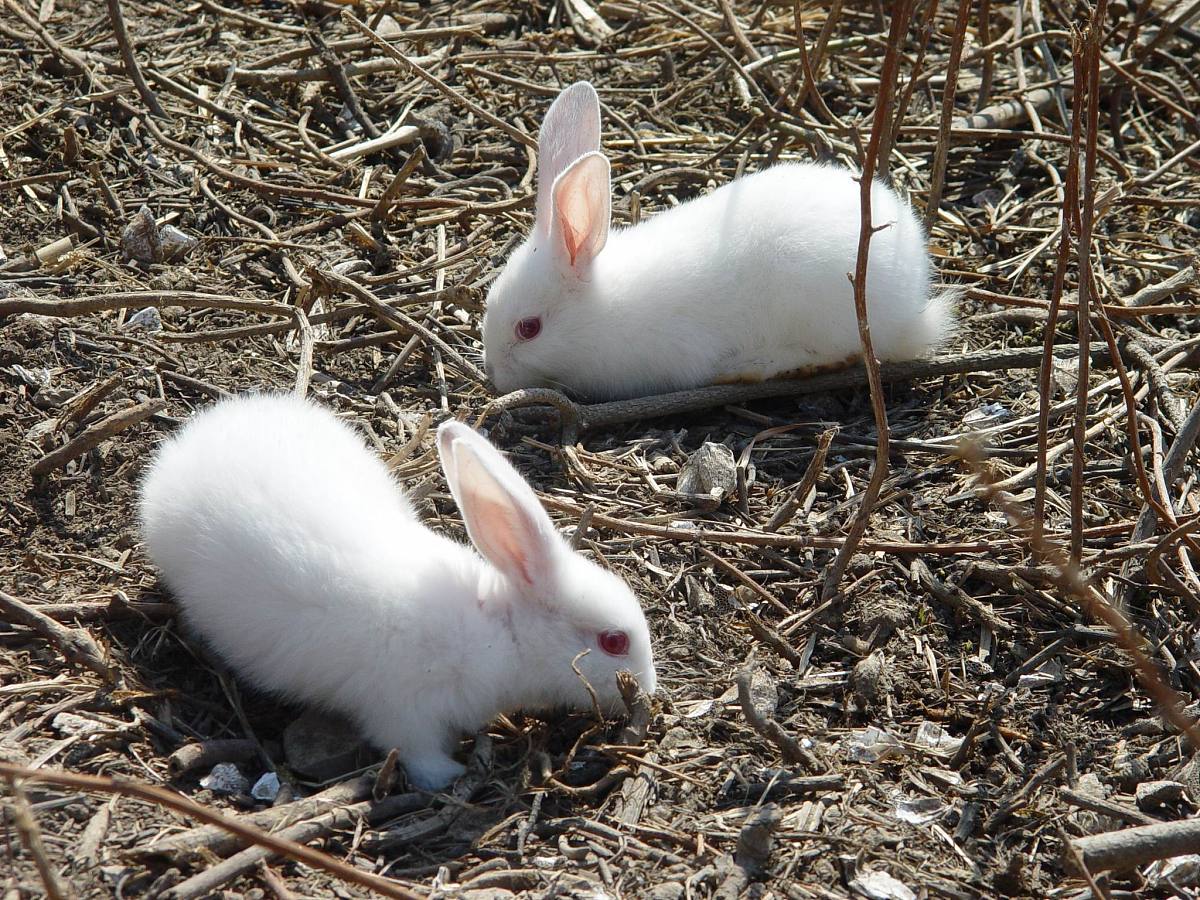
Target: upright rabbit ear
504 520
571 128
582 197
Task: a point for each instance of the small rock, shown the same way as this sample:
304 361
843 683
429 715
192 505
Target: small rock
1048 673
934 737
266 788
918 810
860 564
989 413
661 464
987 198
1150 795
1085 820
710 474
322 746
698 597
879 885
69 723
668 890
174 243
140 240
36 379
147 319
13 753
1174 873
869 678
1090 784
388 27
53 396
873 745
225 778
1065 376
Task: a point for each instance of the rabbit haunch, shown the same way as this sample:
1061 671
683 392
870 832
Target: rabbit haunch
294 554
746 283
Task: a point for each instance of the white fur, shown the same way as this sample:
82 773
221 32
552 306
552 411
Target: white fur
295 555
747 283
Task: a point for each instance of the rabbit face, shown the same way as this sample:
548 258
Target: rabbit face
553 603
523 319
539 314
591 622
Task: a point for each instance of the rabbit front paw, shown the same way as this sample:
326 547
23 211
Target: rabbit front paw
432 772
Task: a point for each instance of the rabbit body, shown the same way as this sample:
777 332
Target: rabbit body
746 283
294 554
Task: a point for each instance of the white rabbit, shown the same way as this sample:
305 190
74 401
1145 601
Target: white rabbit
294 554
747 283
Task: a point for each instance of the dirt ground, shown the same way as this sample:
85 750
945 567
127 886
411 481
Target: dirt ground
949 723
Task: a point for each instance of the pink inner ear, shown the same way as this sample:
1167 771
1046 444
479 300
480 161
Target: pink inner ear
581 208
576 214
572 239
499 531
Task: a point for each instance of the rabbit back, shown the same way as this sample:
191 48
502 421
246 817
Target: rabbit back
755 277
279 533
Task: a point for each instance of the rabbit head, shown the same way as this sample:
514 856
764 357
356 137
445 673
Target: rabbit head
537 317
554 603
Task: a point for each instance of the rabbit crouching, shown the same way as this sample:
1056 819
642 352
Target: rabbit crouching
744 284
293 553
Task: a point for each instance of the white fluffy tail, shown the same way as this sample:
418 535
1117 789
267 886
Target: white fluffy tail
937 323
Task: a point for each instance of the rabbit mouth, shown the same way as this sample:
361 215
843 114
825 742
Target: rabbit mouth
534 378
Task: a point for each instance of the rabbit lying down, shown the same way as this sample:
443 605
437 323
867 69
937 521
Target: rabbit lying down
747 283
295 555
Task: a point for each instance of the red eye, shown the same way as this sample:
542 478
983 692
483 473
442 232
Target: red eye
614 643
528 329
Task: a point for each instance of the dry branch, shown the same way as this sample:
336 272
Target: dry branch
75 643
180 804
808 481
31 836
130 60
82 306
582 417
214 839
789 748
212 879
95 434
1133 847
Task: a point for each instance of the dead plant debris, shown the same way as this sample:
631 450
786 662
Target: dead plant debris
210 198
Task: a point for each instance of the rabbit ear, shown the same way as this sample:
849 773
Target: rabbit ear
504 519
571 128
581 209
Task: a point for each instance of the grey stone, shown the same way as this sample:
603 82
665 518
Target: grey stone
709 474
1152 794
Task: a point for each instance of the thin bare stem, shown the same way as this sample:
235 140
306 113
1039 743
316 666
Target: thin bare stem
879 128
131 65
1070 215
938 178
1091 84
